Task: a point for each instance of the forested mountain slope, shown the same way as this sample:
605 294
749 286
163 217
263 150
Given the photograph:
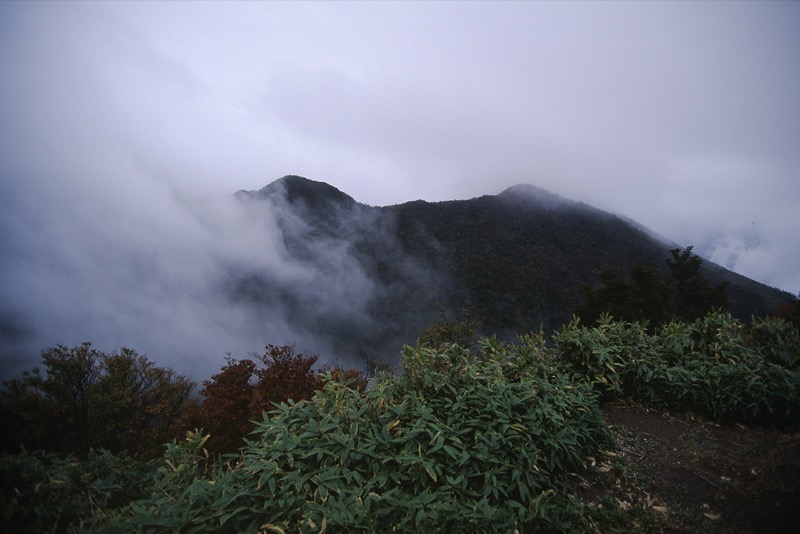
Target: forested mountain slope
517 261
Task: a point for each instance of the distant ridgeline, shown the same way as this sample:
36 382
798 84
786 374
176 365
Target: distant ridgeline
517 261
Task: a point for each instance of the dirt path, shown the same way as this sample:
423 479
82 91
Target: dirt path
702 475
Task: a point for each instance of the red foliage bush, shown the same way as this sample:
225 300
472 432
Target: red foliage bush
244 389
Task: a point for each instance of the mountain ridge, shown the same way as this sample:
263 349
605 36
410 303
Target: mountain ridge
517 260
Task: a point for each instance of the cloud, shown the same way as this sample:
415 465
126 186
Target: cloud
188 279
127 126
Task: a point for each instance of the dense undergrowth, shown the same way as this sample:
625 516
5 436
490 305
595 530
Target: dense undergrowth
459 441
714 367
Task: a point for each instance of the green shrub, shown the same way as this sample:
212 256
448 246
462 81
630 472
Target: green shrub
42 492
777 339
606 355
460 441
714 366
457 442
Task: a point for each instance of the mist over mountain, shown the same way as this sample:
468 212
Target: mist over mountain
301 261
516 261
361 292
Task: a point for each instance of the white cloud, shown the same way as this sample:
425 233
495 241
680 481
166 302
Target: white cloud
121 121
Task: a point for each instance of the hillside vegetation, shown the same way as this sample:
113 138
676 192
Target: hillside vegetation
523 257
500 433
518 261
495 439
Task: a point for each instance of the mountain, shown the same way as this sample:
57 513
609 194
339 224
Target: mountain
517 260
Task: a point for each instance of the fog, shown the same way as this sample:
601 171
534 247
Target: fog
127 128
191 279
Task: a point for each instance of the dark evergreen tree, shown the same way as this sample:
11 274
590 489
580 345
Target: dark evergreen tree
693 295
646 295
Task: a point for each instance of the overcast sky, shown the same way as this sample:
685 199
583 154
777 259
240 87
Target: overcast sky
119 120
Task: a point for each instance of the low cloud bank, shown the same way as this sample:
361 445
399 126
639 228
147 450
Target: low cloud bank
188 279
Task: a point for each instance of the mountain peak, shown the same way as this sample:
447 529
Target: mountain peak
314 194
531 193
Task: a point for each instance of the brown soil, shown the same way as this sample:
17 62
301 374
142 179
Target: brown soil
697 475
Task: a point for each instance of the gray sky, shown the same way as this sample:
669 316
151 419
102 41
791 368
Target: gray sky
123 122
